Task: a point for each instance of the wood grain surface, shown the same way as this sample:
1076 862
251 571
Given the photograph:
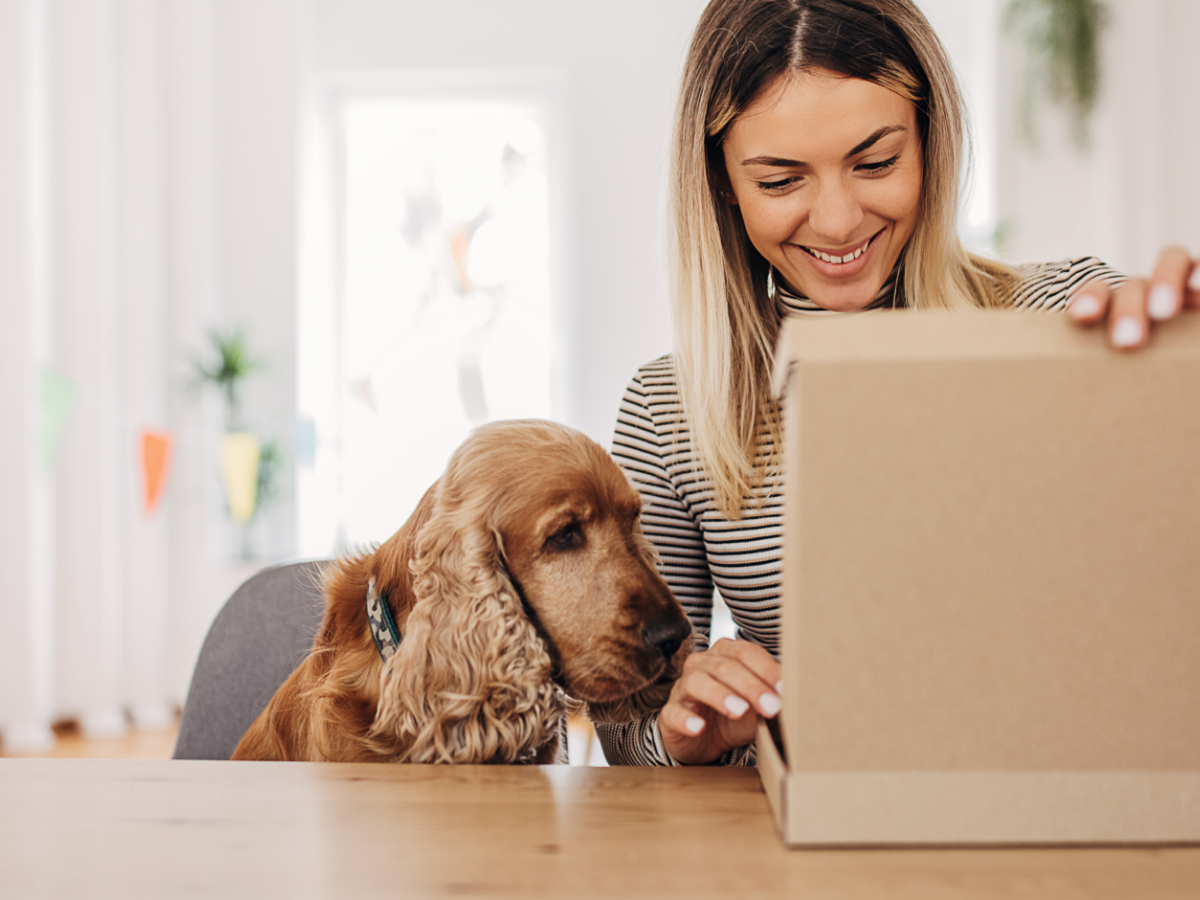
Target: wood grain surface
165 829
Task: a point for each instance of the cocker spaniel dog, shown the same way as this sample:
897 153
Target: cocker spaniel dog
520 586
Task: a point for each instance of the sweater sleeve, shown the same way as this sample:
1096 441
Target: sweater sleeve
640 448
1049 286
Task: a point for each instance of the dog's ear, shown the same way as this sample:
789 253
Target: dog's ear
471 681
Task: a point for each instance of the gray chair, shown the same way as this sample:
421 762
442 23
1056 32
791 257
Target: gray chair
261 634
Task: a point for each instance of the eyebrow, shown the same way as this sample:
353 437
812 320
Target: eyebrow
869 142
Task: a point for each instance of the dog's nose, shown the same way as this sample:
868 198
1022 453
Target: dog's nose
666 635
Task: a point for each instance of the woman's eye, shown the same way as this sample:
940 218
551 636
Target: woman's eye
566 538
777 185
879 166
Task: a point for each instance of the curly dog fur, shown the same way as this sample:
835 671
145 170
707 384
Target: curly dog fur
522 585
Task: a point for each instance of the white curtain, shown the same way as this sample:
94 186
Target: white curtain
115 260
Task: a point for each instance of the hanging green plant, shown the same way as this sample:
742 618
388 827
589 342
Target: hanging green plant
1061 44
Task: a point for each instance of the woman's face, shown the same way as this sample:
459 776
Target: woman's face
827 173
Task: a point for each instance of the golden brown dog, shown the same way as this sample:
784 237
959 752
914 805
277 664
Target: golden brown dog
521 581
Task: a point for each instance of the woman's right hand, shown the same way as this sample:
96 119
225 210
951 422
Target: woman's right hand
1129 310
713 705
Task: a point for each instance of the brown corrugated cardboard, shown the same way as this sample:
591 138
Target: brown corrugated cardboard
991 612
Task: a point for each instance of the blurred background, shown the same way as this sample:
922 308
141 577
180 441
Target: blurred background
264 263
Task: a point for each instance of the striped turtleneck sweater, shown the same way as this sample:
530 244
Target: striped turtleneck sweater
700 549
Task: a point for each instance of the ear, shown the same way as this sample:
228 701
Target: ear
724 187
471 681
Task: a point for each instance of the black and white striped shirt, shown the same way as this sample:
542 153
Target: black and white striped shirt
700 549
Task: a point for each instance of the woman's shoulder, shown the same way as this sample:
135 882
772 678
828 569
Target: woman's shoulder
653 394
656 376
651 406
1049 285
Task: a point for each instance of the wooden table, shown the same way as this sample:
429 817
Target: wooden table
133 829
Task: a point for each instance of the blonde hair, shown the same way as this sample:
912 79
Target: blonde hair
726 325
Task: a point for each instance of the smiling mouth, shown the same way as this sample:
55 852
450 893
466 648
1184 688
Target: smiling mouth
850 256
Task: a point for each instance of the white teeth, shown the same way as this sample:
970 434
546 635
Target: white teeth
838 260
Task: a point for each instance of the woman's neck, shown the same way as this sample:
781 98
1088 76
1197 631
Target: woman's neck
791 303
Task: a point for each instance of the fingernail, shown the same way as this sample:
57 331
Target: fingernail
769 704
1194 281
1127 332
736 705
694 724
1084 306
1162 302
779 687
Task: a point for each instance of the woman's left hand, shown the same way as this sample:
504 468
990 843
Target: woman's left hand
1130 308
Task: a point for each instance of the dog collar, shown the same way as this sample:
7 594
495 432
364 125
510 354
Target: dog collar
383 625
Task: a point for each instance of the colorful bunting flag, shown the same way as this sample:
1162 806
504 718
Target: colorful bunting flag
156 455
57 395
240 454
364 390
305 441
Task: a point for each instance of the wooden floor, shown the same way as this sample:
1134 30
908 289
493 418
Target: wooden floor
69 743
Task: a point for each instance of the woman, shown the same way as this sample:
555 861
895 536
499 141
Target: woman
817 157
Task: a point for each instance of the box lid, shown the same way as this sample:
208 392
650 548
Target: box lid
961 334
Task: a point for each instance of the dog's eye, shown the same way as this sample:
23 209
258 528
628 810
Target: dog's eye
566 538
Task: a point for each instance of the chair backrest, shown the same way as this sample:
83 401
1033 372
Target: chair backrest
261 634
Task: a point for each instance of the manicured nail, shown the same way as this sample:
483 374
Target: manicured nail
1084 306
769 704
1162 302
1127 332
779 687
1194 281
694 724
736 705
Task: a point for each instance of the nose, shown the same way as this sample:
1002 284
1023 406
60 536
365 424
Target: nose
835 214
666 635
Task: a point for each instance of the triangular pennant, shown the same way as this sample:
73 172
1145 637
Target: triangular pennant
156 455
57 395
240 454
362 389
305 441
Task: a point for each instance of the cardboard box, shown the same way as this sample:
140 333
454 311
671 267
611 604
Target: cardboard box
991 594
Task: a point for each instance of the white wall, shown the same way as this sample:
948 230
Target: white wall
1135 190
26 489
969 32
91 487
230 139
147 162
1131 191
